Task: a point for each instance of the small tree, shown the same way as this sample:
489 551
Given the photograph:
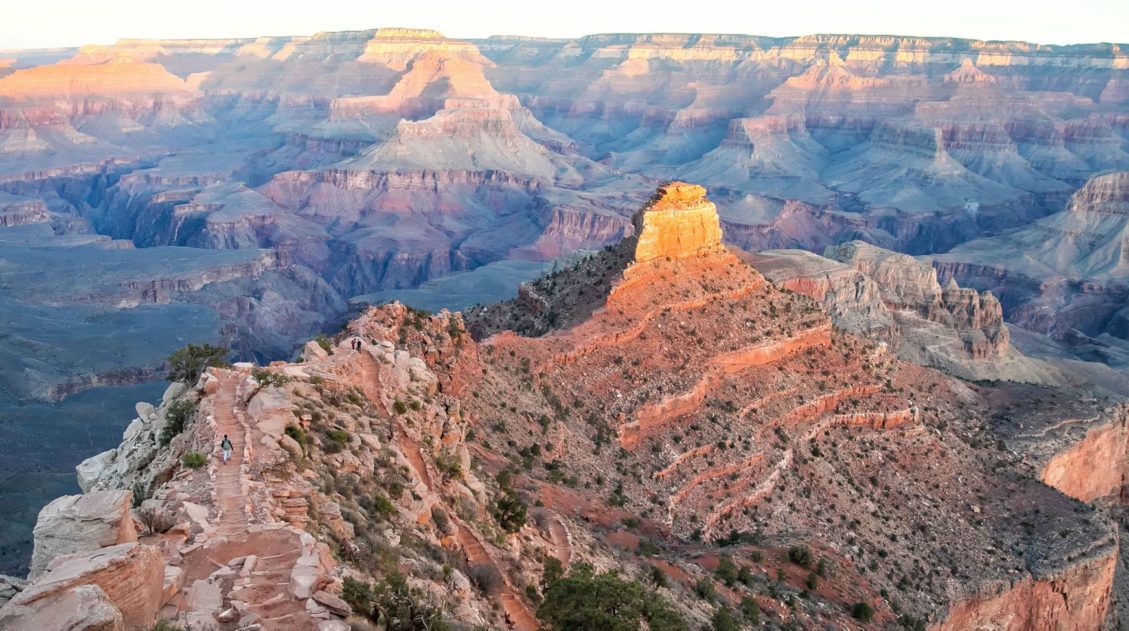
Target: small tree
188 363
177 415
266 379
509 511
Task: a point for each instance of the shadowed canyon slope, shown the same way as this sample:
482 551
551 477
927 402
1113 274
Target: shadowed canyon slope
679 414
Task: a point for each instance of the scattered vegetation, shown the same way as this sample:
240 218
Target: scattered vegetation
188 363
393 605
194 460
585 601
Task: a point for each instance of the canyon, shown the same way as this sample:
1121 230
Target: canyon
909 261
692 413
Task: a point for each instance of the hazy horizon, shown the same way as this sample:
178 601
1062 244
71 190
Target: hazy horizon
1040 21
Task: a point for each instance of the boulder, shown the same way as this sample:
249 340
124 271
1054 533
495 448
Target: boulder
133 430
79 523
174 391
313 351
312 569
333 603
131 576
80 608
89 471
203 603
145 411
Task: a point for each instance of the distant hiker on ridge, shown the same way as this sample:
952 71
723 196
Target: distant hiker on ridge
225 445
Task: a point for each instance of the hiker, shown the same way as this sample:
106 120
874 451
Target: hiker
226 447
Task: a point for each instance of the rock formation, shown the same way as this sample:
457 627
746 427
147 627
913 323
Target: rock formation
679 222
909 285
1062 274
81 523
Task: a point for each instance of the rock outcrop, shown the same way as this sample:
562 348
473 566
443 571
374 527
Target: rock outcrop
909 285
679 222
130 577
897 300
81 523
680 353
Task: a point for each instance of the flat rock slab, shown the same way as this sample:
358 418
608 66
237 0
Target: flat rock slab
80 608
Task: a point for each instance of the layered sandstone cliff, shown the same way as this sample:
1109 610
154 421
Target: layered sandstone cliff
679 222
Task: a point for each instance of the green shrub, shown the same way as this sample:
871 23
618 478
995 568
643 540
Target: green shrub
551 571
393 605
166 625
724 620
727 571
194 460
382 507
449 465
139 494
911 623
177 415
745 576
751 610
188 363
658 576
800 555
705 590
399 406
863 612
339 436
325 343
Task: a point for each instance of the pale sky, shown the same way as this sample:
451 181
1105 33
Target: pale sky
50 23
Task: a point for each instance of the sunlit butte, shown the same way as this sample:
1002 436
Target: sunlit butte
56 23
